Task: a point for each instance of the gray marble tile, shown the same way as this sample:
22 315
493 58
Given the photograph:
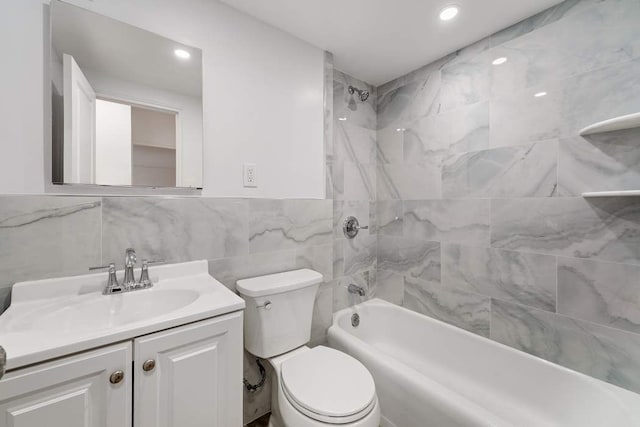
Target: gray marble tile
357 113
412 101
590 40
322 314
569 105
462 309
389 287
600 292
606 229
258 403
343 299
427 140
174 229
328 107
521 171
469 128
229 270
345 208
524 118
603 162
338 257
409 181
335 174
417 75
454 221
354 143
359 181
389 143
48 236
328 185
528 279
414 258
289 224
546 17
466 81
318 258
373 218
390 217
360 254
605 353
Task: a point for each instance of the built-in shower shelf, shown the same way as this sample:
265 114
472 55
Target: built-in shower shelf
629 121
625 193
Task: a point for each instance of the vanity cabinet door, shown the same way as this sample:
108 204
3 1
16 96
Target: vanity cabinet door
190 376
76 391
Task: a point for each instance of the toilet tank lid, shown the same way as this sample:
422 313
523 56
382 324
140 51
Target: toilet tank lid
278 283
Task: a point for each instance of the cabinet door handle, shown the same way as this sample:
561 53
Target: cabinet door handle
149 365
116 377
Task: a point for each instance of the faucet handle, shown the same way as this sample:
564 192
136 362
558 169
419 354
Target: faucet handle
145 281
113 286
104 267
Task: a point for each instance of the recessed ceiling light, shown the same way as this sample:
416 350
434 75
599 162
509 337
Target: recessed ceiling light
400 130
540 94
182 54
449 12
342 119
499 61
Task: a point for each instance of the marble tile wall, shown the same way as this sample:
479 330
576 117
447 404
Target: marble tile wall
49 236
480 217
353 164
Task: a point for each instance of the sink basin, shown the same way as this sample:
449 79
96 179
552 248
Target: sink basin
53 317
104 311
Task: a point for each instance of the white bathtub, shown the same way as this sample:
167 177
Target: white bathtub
429 373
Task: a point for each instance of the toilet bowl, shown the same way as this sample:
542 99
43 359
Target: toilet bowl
312 387
322 387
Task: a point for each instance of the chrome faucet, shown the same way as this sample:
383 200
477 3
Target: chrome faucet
357 290
129 283
130 259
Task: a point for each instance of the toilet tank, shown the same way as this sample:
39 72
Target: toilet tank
279 309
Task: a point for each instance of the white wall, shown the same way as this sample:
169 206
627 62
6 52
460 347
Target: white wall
263 95
21 103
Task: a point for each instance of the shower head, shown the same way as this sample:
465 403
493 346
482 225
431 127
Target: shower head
363 94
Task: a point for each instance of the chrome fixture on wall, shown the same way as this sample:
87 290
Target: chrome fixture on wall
356 290
363 94
351 227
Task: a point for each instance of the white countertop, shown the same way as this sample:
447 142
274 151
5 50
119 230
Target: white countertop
56 317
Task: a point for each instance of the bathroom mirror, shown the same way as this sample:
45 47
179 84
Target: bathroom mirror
126 104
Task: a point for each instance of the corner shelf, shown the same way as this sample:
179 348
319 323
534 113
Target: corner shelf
626 193
629 121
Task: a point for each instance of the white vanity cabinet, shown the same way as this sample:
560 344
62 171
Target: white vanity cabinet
187 376
190 376
75 391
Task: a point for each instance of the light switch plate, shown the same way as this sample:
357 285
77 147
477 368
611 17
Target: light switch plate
250 177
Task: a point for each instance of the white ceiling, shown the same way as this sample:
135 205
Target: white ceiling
124 52
379 40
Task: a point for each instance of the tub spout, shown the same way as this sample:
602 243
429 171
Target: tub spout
354 289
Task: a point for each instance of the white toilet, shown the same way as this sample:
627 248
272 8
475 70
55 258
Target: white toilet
312 387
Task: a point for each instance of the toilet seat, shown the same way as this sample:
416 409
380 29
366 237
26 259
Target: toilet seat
328 386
